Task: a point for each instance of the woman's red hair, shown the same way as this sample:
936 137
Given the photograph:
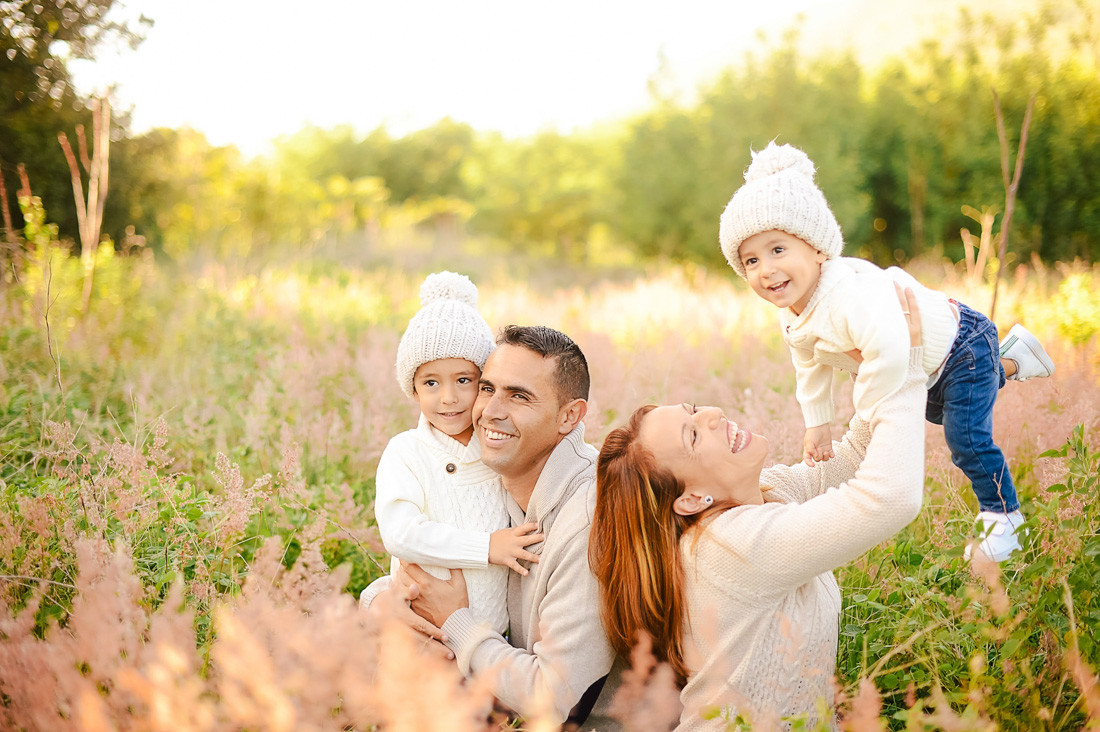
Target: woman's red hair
634 547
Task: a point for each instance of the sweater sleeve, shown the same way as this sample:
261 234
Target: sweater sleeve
875 326
571 654
773 548
373 590
407 532
799 483
813 387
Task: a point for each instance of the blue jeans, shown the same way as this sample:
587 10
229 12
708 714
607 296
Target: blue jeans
962 401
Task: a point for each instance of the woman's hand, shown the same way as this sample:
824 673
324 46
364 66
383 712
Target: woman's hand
909 309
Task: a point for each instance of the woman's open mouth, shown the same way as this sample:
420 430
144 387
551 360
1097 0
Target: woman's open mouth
738 439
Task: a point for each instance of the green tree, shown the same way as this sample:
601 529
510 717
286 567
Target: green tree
550 190
37 99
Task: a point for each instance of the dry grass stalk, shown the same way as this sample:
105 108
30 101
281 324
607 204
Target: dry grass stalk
866 706
978 254
89 213
648 700
291 653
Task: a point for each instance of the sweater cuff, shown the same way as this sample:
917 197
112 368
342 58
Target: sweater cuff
474 548
373 590
465 632
817 414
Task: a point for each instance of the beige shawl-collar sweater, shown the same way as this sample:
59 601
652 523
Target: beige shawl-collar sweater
557 647
763 606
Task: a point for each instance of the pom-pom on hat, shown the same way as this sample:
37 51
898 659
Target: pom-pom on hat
779 193
447 325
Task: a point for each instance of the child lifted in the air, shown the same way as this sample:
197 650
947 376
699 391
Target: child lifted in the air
778 233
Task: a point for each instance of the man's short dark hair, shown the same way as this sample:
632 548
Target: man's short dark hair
571 373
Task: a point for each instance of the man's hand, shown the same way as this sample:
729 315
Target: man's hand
437 599
817 445
392 607
506 546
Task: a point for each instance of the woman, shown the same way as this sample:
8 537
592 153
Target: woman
728 567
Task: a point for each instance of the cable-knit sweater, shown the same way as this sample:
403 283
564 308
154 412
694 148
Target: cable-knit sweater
557 648
855 307
763 606
436 504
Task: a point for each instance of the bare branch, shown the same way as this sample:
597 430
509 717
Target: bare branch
1011 187
82 144
24 182
56 358
1001 136
9 227
78 188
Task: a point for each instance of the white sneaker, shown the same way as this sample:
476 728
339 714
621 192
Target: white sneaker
997 536
1032 362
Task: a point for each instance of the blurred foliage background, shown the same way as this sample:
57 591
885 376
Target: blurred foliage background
902 147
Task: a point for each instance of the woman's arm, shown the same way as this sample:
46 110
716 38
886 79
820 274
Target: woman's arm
775 547
799 483
778 546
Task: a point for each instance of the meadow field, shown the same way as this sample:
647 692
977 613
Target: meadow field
186 480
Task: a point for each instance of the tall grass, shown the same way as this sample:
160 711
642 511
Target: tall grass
186 477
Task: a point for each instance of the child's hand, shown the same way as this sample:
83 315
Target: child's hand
506 546
817 445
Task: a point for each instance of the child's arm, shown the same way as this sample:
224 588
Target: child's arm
406 530
813 389
507 546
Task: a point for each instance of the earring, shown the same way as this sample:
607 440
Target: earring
708 500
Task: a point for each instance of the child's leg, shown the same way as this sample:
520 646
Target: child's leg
968 389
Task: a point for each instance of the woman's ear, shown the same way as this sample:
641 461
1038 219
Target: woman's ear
689 503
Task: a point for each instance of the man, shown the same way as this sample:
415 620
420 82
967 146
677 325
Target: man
529 416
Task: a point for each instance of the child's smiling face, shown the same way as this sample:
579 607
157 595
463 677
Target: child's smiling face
781 268
446 390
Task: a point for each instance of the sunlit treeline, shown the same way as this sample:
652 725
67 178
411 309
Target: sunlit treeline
908 154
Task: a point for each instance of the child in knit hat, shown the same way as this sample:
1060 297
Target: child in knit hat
778 233
436 503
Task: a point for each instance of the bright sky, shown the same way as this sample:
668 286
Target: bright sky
245 71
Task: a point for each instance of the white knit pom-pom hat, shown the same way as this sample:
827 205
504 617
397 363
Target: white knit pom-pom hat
779 194
447 325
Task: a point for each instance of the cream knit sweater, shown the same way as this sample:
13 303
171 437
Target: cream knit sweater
855 307
763 605
436 504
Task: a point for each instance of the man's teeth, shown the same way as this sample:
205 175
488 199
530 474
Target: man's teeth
494 435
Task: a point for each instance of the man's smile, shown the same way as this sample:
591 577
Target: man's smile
492 434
